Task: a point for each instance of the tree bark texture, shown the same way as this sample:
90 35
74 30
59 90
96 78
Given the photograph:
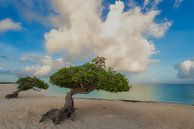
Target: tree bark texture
13 95
67 111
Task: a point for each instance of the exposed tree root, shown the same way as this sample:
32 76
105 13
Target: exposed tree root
67 111
58 115
13 95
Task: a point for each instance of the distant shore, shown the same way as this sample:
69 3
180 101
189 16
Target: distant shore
7 82
25 112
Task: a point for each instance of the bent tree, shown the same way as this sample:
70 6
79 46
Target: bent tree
83 80
27 83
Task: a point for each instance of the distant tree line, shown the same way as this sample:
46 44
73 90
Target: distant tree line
7 82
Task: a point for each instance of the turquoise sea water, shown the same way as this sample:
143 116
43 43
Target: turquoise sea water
176 93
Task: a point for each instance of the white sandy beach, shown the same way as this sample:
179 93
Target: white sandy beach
24 113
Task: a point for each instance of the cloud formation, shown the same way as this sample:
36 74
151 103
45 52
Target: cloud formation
177 3
186 69
122 38
8 24
31 10
41 65
151 3
3 72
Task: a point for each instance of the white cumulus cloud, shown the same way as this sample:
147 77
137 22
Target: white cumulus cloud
122 38
186 69
9 24
41 65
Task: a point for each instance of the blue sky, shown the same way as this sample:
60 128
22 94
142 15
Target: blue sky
31 22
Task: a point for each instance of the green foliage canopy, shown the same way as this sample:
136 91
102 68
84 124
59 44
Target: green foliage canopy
27 83
88 75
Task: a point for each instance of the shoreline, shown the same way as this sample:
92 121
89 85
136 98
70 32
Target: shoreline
134 101
48 93
25 112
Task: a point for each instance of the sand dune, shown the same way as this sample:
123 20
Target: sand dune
25 112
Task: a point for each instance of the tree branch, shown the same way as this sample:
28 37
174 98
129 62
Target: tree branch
35 89
83 90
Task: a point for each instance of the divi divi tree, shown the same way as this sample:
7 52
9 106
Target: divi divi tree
83 80
27 83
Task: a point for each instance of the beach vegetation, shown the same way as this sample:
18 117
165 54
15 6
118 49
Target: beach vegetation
94 75
27 83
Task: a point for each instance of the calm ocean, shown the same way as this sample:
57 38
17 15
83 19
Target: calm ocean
176 93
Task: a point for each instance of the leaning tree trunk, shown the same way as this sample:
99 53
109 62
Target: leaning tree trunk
16 93
67 111
13 95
